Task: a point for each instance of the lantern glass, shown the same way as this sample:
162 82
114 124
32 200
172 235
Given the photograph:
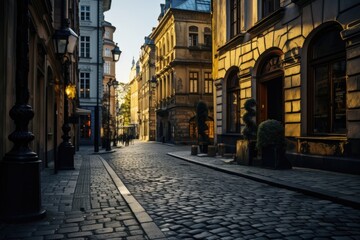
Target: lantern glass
72 39
65 41
70 91
116 52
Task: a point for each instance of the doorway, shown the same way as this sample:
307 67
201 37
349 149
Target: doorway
270 89
271 99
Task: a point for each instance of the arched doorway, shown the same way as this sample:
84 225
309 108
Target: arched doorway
270 89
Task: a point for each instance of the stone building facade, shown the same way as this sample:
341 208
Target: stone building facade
299 59
146 93
91 67
45 78
182 41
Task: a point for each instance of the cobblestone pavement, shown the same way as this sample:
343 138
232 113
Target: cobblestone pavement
85 203
338 187
188 201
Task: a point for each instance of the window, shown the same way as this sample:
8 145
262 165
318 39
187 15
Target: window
269 6
85 13
193 36
85 127
194 79
234 17
84 85
107 52
207 37
107 67
208 88
233 103
107 34
85 46
327 88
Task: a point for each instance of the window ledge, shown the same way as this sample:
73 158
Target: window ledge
200 48
233 42
301 3
267 22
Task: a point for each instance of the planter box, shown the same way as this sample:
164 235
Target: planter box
211 151
245 152
203 147
194 150
221 149
274 157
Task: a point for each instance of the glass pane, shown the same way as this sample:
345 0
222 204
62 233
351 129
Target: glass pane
233 121
338 71
321 100
328 43
85 127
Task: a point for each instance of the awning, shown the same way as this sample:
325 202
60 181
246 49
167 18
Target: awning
81 111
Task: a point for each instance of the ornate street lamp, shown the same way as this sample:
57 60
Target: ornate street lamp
153 82
116 52
114 83
65 41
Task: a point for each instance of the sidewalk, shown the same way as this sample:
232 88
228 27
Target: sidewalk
90 202
337 187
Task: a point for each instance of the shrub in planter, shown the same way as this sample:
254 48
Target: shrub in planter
249 131
245 149
271 144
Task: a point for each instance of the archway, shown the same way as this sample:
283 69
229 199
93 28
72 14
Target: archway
270 88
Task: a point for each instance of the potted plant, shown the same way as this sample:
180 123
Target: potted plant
271 144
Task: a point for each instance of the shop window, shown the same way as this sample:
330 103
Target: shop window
193 129
327 88
85 127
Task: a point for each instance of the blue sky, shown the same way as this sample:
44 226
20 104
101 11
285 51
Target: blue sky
133 21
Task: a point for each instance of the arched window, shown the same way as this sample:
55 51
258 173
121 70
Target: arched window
233 103
327 83
193 36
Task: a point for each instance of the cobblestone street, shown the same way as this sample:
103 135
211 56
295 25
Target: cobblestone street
144 192
188 201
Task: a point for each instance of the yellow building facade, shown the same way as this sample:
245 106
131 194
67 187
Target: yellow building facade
183 70
298 60
146 93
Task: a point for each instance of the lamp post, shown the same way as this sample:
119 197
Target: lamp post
116 53
65 41
114 83
20 168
